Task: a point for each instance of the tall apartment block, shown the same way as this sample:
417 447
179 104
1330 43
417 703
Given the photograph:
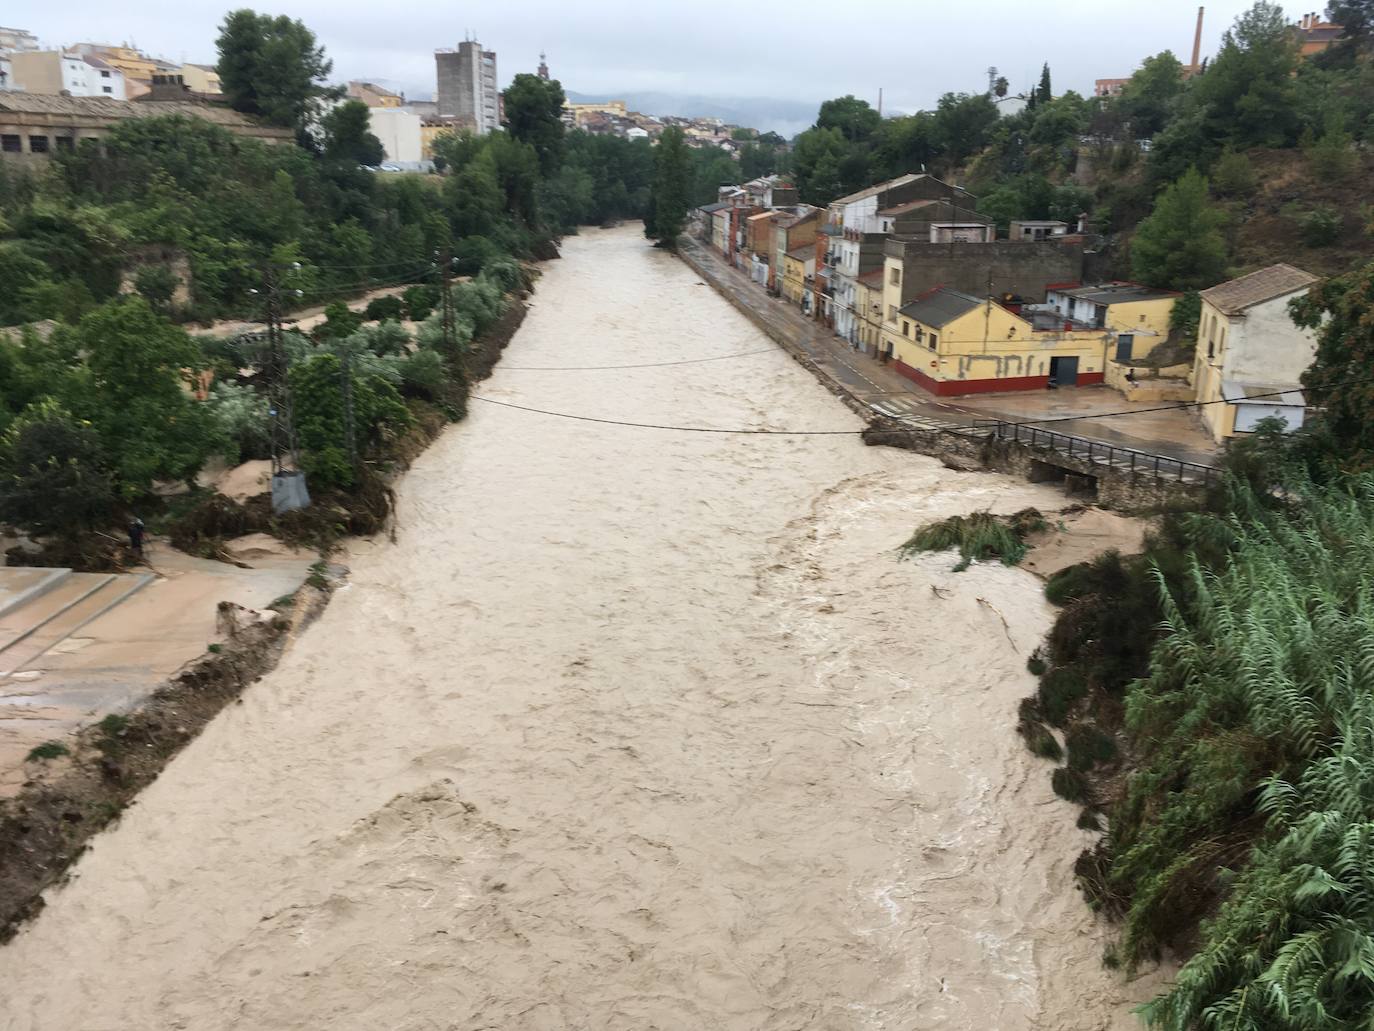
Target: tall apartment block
467 86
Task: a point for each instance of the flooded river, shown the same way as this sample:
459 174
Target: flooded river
631 729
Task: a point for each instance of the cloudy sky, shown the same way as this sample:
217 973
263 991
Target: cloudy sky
913 49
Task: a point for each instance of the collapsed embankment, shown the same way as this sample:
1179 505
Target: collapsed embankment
45 828
99 772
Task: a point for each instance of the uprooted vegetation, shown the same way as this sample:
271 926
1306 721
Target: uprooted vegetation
978 537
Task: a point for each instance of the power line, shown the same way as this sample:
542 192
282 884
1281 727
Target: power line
678 429
646 365
1162 408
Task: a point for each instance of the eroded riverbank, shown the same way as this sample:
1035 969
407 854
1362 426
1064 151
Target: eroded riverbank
629 729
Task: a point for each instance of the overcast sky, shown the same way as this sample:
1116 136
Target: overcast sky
914 49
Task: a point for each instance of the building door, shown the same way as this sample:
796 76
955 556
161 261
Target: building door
1064 371
1123 346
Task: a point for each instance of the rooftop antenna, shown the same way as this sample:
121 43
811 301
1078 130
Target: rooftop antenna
992 79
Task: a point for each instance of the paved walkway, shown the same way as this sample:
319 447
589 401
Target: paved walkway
1175 432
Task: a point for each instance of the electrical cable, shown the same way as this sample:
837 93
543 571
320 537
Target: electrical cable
1145 411
646 365
678 429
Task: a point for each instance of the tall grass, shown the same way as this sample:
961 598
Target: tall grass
1253 796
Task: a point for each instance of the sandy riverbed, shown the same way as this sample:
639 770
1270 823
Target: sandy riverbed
630 729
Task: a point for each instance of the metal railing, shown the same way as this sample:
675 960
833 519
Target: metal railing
1161 467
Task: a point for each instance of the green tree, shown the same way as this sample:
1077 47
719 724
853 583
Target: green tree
818 158
1248 95
534 115
156 284
340 321
1043 92
1340 380
317 392
854 118
348 135
134 394
273 67
1180 245
1150 95
671 190
52 478
963 122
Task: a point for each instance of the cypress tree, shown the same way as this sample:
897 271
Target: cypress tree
670 194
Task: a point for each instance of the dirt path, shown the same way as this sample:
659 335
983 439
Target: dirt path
630 729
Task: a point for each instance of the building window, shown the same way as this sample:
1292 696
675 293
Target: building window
38 144
104 75
896 279
934 341
906 328
10 144
891 313
106 89
64 142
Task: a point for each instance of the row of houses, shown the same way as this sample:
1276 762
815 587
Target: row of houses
910 273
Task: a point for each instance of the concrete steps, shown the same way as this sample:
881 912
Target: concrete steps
43 611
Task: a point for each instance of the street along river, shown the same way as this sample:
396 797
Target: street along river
630 729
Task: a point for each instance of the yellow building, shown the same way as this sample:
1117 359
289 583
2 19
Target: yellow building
200 78
133 63
1137 316
373 95
798 266
868 311
951 342
1250 355
576 114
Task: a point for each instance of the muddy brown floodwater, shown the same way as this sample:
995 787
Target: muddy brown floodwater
630 729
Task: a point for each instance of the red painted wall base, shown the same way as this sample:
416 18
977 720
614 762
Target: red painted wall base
955 387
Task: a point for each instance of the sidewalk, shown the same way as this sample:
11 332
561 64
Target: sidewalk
1176 433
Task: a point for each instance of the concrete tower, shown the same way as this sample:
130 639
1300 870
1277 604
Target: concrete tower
467 91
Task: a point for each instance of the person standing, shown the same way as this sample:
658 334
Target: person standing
136 536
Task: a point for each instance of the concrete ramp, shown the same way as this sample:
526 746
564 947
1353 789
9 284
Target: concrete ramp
41 608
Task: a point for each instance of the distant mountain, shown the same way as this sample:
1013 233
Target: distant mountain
787 117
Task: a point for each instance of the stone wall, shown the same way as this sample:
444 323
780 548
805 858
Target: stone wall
1017 267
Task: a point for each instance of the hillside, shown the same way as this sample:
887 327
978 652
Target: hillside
1271 225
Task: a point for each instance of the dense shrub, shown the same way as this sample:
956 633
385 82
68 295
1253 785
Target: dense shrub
380 309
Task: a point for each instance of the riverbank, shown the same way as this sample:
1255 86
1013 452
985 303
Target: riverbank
82 734
901 415
628 727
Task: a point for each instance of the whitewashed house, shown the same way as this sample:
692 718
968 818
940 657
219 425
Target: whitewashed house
1250 354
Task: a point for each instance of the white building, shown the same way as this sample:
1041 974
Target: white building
54 73
399 131
1250 354
16 40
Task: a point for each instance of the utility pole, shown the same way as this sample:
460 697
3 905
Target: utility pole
288 482
350 426
448 317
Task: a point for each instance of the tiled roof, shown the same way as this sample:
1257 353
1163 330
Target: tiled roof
802 253
902 209
875 276
107 107
1235 297
879 188
940 306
